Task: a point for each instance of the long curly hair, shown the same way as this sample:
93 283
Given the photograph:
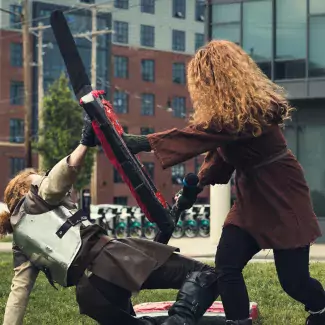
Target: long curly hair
15 190
230 91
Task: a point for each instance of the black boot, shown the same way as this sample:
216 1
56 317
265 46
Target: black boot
240 322
316 319
146 320
196 295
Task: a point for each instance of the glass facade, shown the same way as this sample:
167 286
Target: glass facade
79 22
285 37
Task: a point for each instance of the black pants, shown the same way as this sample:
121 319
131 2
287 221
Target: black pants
101 300
236 248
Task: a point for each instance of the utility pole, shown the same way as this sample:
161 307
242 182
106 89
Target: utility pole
40 87
94 33
27 84
94 174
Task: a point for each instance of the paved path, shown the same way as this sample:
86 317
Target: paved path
202 248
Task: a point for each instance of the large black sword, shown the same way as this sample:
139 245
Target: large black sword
109 131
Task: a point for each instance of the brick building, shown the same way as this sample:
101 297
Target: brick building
144 71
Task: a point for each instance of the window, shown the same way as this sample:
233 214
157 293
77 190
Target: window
117 177
122 4
121 102
121 32
147 36
16 93
178 40
87 1
179 75
146 130
199 10
147 104
16 130
178 173
179 9
316 44
257 32
15 20
149 167
199 40
120 200
148 6
121 67
226 22
291 26
197 165
16 54
148 70
16 165
178 106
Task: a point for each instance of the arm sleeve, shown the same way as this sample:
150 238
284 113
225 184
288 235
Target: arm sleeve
215 170
59 181
22 284
175 146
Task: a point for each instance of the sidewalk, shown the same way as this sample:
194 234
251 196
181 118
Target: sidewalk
202 248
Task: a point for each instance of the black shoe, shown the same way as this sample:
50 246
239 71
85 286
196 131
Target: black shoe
240 322
196 295
317 319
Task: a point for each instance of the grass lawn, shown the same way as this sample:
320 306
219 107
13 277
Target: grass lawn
48 306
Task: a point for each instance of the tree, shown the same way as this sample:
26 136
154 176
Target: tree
62 125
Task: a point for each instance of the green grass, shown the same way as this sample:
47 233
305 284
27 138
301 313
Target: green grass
48 306
6 239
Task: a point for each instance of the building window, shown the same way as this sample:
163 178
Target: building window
117 177
16 130
121 32
120 200
316 35
179 75
226 22
146 130
199 40
148 70
179 9
179 107
257 33
16 54
148 6
291 51
149 167
178 173
122 4
121 67
121 101
16 165
178 40
147 36
148 104
87 1
15 20
16 93
199 10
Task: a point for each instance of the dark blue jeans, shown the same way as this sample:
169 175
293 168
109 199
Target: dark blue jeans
236 248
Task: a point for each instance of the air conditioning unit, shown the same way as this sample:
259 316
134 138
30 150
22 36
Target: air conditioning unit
179 14
201 18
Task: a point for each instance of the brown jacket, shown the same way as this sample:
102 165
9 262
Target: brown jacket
273 201
126 262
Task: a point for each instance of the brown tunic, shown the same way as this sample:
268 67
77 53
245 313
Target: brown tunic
273 201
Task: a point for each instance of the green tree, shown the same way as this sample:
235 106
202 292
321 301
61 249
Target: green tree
61 131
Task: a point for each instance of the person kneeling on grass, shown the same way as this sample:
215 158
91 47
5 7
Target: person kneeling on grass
52 236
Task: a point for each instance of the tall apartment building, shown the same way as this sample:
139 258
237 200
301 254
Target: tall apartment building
144 71
286 39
